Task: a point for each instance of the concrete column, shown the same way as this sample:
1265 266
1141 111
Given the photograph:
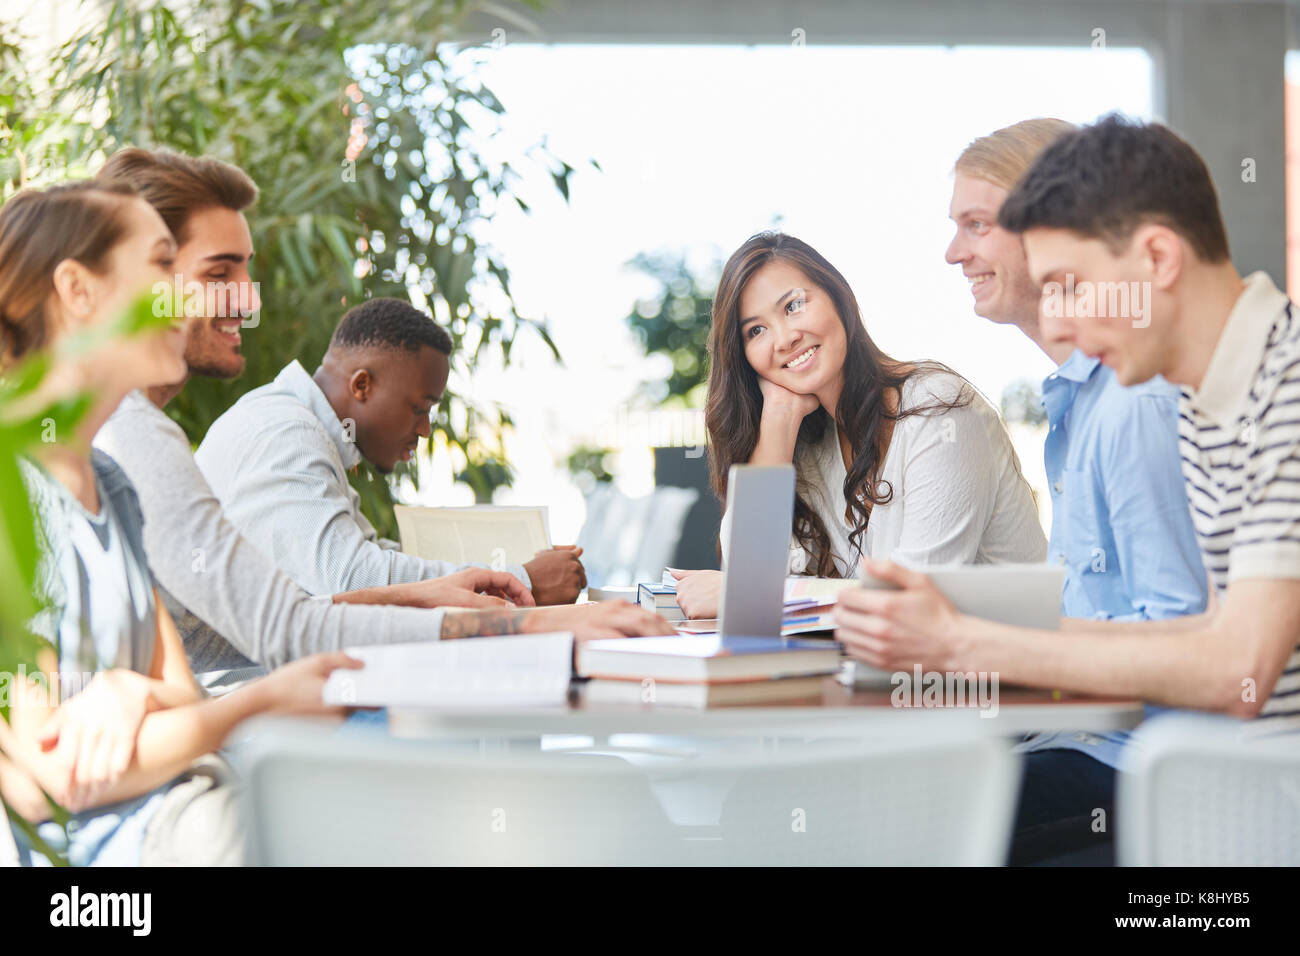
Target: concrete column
1220 70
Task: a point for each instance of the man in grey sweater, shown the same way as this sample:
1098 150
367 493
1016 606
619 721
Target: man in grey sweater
237 612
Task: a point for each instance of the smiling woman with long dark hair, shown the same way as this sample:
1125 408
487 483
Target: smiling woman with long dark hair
901 460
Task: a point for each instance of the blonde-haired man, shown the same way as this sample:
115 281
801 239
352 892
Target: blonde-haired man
1120 521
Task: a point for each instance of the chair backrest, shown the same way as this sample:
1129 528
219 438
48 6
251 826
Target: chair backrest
630 540
668 510
1208 791
340 800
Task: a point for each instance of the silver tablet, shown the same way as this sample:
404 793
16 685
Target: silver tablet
760 503
1025 595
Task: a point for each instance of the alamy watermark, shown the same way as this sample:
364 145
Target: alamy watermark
1089 300
213 300
673 428
74 909
933 689
41 689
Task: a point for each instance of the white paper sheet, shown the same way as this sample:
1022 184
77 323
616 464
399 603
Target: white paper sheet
517 670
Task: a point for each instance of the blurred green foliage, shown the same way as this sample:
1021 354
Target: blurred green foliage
1022 402
371 141
675 322
589 465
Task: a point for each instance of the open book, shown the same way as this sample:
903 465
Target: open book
483 534
516 670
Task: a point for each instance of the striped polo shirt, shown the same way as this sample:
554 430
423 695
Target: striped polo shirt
1239 437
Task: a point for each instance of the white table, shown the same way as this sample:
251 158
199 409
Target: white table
841 711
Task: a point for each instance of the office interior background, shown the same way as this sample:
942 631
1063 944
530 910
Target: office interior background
687 127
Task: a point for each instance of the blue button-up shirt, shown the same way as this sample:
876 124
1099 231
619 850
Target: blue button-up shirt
1120 521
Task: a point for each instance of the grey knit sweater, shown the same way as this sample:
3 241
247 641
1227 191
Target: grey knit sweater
234 608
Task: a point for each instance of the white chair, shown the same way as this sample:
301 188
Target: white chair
1198 790
322 799
668 510
626 540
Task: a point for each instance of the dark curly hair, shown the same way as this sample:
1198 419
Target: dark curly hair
1103 181
391 324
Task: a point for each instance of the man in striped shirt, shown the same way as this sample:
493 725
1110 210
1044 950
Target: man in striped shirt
1123 233
1239 433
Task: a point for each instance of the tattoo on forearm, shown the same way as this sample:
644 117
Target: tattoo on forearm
492 623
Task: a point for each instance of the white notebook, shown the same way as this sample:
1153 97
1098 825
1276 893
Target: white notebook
483 534
516 670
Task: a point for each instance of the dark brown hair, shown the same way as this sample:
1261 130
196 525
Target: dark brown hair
178 186
1105 180
735 403
39 228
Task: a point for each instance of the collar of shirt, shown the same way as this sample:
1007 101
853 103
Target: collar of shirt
1225 387
1061 387
136 400
294 379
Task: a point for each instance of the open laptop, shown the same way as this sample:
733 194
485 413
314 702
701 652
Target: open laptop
760 509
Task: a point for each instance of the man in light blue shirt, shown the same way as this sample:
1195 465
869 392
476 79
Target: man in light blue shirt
1121 527
1120 522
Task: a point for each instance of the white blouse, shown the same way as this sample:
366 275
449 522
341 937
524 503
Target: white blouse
958 493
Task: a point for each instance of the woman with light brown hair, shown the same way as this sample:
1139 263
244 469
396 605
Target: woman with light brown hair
113 731
900 460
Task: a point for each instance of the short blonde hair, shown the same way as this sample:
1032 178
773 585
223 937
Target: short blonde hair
1002 157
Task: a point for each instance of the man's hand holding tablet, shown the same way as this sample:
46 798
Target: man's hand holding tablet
904 617
897 619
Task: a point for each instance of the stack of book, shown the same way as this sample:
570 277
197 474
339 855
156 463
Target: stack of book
705 670
661 599
809 605
800 617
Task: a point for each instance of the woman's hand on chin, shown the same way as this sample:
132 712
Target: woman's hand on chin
778 429
779 400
